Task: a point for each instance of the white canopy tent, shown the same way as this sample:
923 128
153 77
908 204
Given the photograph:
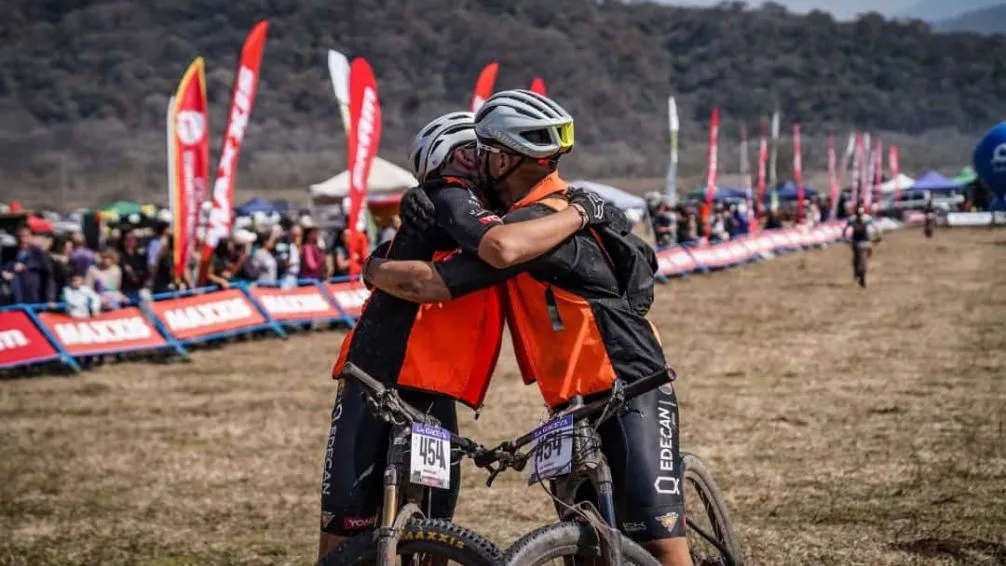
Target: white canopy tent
385 177
903 181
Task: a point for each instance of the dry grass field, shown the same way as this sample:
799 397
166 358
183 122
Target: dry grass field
845 426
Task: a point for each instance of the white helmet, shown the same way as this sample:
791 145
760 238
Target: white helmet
437 139
526 123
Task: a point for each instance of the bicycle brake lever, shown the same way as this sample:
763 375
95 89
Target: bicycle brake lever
492 476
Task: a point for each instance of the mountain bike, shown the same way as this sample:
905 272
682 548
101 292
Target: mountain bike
419 456
567 451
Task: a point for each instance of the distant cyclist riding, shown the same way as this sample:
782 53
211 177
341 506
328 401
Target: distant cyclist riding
861 232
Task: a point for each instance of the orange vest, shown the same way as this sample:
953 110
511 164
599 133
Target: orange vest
556 339
453 347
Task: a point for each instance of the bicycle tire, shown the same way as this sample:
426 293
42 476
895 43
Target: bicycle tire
425 536
569 539
699 476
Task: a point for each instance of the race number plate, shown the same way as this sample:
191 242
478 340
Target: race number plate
431 456
552 449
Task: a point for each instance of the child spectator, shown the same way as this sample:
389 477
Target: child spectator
81 300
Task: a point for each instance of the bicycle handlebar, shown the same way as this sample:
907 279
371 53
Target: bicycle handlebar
506 454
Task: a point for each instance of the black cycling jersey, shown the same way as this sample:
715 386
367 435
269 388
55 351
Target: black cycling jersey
358 441
381 334
641 444
861 229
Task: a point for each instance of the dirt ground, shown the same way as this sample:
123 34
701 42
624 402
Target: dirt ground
845 426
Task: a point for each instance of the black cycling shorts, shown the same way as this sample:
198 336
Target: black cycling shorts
356 455
641 446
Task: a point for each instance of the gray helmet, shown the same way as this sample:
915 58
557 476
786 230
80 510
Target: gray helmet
437 139
525 123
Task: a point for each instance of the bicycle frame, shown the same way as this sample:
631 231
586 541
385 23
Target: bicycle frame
398 504
589 465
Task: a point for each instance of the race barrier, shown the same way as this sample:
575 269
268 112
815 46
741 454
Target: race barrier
36 334
704 257
173 322
997 218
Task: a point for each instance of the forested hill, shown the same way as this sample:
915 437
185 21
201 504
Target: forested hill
84 83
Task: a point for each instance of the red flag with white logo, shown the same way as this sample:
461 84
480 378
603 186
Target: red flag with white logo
242 100
188 162
714 132
484 86
538 85
364 138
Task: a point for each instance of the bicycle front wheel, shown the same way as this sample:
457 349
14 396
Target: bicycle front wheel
711 537
426 541
566 542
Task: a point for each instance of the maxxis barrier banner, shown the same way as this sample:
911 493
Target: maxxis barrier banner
21 343
123 330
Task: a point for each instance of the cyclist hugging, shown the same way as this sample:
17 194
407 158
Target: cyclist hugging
404 344
563 269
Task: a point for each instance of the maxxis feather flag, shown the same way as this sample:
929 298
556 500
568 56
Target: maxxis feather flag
538 85
364 138
714 132
798 173
238 116
338 69
484 86
762 166
672 168
832 178
188 162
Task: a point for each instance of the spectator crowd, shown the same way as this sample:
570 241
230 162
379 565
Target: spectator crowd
685 223
131 261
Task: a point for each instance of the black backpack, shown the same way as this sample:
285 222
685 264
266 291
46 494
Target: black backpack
632 260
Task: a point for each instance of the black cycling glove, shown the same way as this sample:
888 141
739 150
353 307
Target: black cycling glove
417 211
599 211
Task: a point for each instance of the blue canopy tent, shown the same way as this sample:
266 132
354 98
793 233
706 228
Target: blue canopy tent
721 194
934 183
257 204
789 191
